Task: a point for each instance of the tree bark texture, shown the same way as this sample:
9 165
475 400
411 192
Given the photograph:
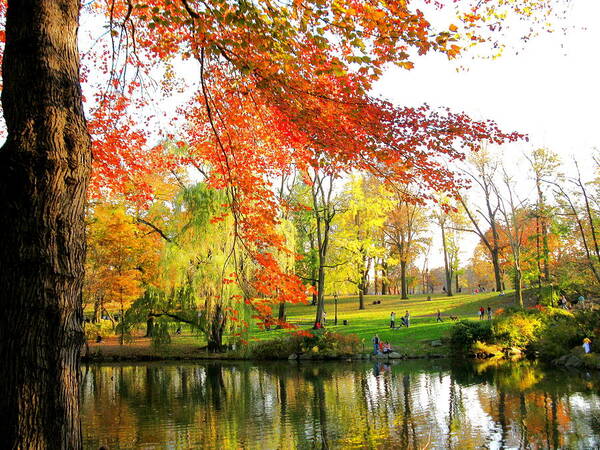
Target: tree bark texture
44 172
384 274
447 266
403 284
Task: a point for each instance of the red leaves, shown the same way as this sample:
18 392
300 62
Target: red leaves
278 90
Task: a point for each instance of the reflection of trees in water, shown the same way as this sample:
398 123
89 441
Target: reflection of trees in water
333 405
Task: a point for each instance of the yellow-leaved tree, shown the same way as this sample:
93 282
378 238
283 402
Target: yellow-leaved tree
360 231
122 259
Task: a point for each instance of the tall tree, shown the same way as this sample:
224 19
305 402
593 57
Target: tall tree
404 230
515 216
44 172
484 167
543 164
359 229
450 223
124 256
324 207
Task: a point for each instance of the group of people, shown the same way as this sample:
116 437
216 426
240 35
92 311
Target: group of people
380 347
564 303
405 320
482 313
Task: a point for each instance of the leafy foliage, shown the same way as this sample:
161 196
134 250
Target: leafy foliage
320 344
466 332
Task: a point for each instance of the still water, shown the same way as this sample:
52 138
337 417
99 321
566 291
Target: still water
416 405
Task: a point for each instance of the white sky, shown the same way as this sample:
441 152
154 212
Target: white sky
550 90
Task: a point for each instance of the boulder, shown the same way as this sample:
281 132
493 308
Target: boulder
436 343
293 356
573 361
395 355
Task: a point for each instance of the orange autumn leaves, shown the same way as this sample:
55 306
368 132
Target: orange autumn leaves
277 87
283 88
122 258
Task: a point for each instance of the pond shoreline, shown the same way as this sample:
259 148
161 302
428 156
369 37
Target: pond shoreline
570 361
100 358
111 353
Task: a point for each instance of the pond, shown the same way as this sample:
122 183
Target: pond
287 405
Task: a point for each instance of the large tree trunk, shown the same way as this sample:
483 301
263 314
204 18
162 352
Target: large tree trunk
44 172
361 284
384 274
403 287
518 288
97 310
214 336
150 326
281 314
320 295
361 298
497 271
375 279
447 267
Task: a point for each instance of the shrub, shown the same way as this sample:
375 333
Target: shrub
482 348
517 329
589 323
547 295
321 342
466 332
274 348
551 332
101 328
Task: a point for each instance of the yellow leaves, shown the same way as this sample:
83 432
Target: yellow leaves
121 256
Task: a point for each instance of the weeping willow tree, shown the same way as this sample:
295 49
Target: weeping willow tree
286 260
201 269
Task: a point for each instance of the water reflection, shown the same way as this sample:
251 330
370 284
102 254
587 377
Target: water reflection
332 405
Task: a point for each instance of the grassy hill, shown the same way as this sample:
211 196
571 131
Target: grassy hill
415 340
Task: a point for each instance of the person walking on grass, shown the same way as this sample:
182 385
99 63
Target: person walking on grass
393 320
481 313
439 316
489 310
407 319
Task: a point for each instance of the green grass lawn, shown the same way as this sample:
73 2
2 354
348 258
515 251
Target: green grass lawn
415 340
412 341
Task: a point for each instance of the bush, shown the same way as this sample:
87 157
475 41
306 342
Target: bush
466 332
589 323
321 342
274 348
483 349
547 296
517 329
550 332
103 328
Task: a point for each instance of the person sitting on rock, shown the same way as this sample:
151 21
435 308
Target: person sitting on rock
387 348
